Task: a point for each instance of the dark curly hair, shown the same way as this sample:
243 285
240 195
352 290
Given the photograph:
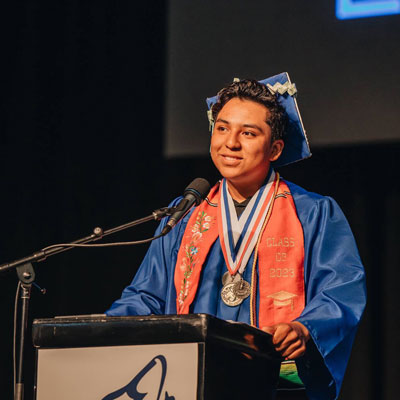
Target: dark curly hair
250 89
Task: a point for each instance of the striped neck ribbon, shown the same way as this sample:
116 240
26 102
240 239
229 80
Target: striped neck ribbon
238 236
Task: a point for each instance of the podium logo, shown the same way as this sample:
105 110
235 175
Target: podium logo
131 389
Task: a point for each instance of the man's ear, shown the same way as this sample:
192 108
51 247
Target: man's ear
276 149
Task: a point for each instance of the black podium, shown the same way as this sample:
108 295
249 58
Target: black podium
168 357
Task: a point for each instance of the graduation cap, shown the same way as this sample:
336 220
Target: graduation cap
283 298
296 142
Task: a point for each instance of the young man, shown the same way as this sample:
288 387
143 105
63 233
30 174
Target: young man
261 250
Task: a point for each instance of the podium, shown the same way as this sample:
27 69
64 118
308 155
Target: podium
167 357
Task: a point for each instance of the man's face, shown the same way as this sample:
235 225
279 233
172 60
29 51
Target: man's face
241 147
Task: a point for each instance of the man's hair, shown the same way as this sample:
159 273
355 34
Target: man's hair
250 89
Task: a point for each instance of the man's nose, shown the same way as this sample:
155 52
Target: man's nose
232 141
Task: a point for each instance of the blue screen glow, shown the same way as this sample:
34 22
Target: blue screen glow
346 9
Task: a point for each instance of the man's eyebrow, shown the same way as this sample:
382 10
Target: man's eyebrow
253 126
224 121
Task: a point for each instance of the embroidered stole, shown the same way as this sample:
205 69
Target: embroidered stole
280 255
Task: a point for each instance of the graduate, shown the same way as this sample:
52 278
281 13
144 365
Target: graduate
259 249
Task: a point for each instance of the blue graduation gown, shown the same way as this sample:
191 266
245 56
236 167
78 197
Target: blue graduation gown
334 281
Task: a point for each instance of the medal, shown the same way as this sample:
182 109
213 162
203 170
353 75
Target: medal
228 278
228 295
242 289
235 289
238 237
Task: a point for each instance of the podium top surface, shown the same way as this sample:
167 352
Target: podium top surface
100 330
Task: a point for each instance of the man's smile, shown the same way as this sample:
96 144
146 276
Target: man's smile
230 159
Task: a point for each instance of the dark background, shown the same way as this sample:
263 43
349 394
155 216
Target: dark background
346 71
83 111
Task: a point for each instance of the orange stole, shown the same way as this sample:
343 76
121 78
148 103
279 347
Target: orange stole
200 234
281 263
280 258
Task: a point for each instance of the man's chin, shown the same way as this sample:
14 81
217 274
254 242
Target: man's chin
235 180
231 177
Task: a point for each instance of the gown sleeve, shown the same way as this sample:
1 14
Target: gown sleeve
150 291
335 294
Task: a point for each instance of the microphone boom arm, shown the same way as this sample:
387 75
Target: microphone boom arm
97 234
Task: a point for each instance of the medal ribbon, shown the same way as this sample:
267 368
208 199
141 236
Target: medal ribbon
238 237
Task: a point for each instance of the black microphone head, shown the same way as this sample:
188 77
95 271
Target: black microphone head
199 188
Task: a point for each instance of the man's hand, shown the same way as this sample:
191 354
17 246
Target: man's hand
289 338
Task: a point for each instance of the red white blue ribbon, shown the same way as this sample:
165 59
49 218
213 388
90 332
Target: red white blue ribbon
238 236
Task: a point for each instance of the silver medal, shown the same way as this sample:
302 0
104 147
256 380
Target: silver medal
228 278
242 289
228 295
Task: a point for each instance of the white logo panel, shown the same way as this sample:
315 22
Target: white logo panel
164 372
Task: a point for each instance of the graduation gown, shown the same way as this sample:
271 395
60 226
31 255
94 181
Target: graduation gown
334 289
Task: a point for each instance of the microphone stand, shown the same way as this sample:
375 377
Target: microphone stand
26 276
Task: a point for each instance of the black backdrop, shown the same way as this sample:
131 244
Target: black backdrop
81 145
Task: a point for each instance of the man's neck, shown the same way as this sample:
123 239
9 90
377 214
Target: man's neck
240 194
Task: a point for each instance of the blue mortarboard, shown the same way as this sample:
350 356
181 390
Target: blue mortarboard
296 142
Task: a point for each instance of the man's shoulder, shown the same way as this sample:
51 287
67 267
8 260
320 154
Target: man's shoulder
298 191
306 201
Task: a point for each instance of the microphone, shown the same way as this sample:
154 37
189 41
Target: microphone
195 193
